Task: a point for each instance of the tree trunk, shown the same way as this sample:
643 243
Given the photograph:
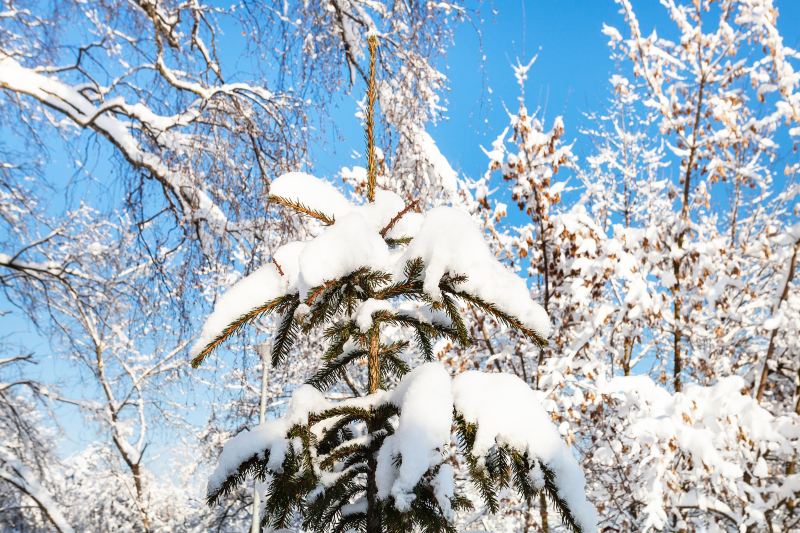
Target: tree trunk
373 370
255 526
762 383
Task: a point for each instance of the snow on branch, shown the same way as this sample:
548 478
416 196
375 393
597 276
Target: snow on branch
20 476
503 409
194 202
457 262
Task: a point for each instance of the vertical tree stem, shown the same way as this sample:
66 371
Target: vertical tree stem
762 382
373 371
373 363
372 170
255 526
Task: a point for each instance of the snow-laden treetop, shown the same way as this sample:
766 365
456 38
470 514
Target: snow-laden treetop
374 278
383 236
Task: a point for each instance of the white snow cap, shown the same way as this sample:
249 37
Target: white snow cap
312 192
341 249
504 408
507 411
446 239
426 418
267 437
449 241
261 286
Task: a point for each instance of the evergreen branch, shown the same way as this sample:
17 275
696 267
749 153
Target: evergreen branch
466 433
234 479
326 302
232 328
551 490
455 317
328 298
286 491
336 434
286 334
425 332
521 468
424 343
425 513
333 370
499 314
322 511
393 349
319 289
351 522
497 466
411 287
358 413
398 241
411 290
345 452
303 209
392 366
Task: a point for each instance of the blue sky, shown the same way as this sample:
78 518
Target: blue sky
569 78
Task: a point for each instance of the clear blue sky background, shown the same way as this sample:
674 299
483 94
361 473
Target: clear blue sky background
569 79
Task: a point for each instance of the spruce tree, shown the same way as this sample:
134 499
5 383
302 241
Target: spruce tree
382 282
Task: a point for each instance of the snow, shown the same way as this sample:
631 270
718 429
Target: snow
407 226
612 33
323 197
267 437
426 419
507 411
21 476
380 212
446 239
449 242
256 289
82 111
692 418
339 250
363 315
311 192
287 257
439 165
444 487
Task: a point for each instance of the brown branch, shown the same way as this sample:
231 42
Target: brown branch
762 383
397 217
278 267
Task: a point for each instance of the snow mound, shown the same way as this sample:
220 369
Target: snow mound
267 437
311 192
341 249
426 418
448 241
508 412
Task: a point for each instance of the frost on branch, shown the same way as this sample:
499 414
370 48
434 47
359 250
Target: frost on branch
716 436
384 283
